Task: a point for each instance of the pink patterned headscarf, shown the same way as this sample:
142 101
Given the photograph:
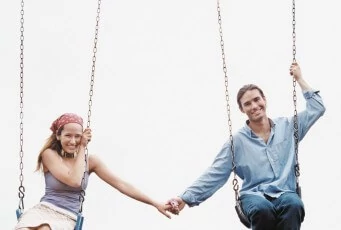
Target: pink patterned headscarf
64 119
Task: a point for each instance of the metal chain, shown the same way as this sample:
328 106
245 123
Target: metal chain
92 82
227 97
296 137
293 31
21 192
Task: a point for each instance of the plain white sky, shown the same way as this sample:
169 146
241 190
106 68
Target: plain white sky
159 111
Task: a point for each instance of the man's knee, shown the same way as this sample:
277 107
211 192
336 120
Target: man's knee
292 202
260 208
263 211
291 207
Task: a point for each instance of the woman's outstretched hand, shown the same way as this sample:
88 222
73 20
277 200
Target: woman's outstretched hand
164 209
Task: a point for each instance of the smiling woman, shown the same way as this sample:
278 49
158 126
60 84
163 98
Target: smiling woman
66 165
62 160
66 140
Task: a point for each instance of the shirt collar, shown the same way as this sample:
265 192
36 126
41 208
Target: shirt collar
247 130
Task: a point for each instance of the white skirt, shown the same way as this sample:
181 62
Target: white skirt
48 214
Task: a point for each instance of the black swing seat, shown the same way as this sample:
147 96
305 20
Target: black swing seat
242 217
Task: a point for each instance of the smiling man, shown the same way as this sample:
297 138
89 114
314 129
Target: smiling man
265 160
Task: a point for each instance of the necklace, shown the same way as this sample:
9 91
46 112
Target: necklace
68 155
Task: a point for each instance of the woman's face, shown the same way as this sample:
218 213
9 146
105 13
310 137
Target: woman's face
70 137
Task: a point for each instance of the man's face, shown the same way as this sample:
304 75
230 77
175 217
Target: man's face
253 105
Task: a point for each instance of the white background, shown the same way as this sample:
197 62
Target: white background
159 110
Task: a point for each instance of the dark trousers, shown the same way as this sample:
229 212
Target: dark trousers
266 213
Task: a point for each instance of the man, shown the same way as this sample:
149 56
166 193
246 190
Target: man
265 161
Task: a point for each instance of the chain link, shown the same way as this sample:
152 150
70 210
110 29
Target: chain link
93 62
296 136
21 192
91 92
227 98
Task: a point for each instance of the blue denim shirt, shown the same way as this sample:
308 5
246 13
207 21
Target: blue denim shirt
265 168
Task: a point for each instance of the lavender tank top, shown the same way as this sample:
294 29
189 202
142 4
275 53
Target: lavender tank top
62 195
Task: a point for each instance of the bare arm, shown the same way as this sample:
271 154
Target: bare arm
102 171
54 163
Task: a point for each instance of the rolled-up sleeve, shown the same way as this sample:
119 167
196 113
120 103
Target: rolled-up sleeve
314 110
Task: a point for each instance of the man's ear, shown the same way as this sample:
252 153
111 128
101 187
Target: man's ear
241 110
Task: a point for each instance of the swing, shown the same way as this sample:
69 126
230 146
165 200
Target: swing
21 193
238 206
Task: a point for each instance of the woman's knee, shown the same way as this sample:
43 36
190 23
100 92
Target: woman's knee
44 227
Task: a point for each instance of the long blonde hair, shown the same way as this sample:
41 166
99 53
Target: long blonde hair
51 143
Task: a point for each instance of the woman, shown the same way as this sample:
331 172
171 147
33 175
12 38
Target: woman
62 159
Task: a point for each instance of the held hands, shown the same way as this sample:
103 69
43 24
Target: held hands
86 137
176 205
